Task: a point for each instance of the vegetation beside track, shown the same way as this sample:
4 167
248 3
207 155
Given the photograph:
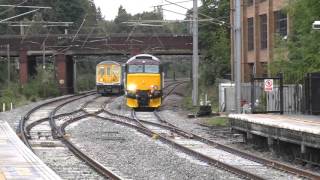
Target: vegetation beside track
216 121
212 94
41 86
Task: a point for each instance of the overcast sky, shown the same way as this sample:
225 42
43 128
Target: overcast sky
109 8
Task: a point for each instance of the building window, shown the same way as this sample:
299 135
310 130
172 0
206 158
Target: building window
250 34
249 2
281 23
264 70
261 1
252 68
263 31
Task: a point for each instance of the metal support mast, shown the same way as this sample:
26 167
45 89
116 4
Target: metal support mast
195 61
43 55
9 63
237 53
75 89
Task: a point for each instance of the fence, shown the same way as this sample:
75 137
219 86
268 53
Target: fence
7 107
293 98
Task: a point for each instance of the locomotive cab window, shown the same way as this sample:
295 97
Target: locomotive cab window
135 69
151 69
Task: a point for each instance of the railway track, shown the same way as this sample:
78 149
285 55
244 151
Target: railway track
244 165
240 163
152 124
51 126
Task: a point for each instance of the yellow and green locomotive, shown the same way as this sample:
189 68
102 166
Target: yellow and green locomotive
109 77
143 82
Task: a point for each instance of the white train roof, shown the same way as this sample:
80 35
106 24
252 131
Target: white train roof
109 62
148 56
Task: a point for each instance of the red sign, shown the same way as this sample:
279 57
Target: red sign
268 85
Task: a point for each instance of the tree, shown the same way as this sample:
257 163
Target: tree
122 17
62 10
214 40
303 44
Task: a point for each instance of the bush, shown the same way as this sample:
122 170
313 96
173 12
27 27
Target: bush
86 82
12 94
41 86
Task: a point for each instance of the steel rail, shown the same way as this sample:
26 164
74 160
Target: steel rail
54 128
92 163
21 131
98 167
35 123
143 129
217 163
267 162
175 86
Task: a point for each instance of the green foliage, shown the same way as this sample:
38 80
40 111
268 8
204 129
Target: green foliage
62 10
11 94
187 100
119 25
86 78
215 42
41 86
217 121
303 44
86 82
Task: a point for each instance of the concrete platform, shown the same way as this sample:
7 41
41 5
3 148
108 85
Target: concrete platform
298 129
19 162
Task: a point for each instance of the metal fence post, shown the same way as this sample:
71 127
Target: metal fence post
281 93
252 93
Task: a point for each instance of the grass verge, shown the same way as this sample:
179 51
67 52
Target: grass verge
217 121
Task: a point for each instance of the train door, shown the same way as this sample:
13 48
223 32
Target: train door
101 74
108 74
116 74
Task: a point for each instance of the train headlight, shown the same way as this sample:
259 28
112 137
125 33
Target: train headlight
132 87
154 87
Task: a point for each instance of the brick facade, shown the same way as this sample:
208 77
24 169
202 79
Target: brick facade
256 59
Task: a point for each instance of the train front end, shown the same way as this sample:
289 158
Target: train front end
109 78
144 82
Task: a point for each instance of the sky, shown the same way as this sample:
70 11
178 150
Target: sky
109 8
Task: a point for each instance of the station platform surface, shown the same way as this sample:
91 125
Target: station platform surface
19 162
298 129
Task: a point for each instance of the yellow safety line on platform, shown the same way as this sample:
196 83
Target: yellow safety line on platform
2 177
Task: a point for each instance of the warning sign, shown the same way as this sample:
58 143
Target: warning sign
268 85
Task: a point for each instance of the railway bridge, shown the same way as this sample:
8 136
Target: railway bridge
64 47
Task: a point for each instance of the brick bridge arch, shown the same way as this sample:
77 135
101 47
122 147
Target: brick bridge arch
64 47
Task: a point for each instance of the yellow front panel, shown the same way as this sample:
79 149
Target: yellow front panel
144 81
155 103
133 103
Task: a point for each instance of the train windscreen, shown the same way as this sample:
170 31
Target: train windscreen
135 69
151 68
